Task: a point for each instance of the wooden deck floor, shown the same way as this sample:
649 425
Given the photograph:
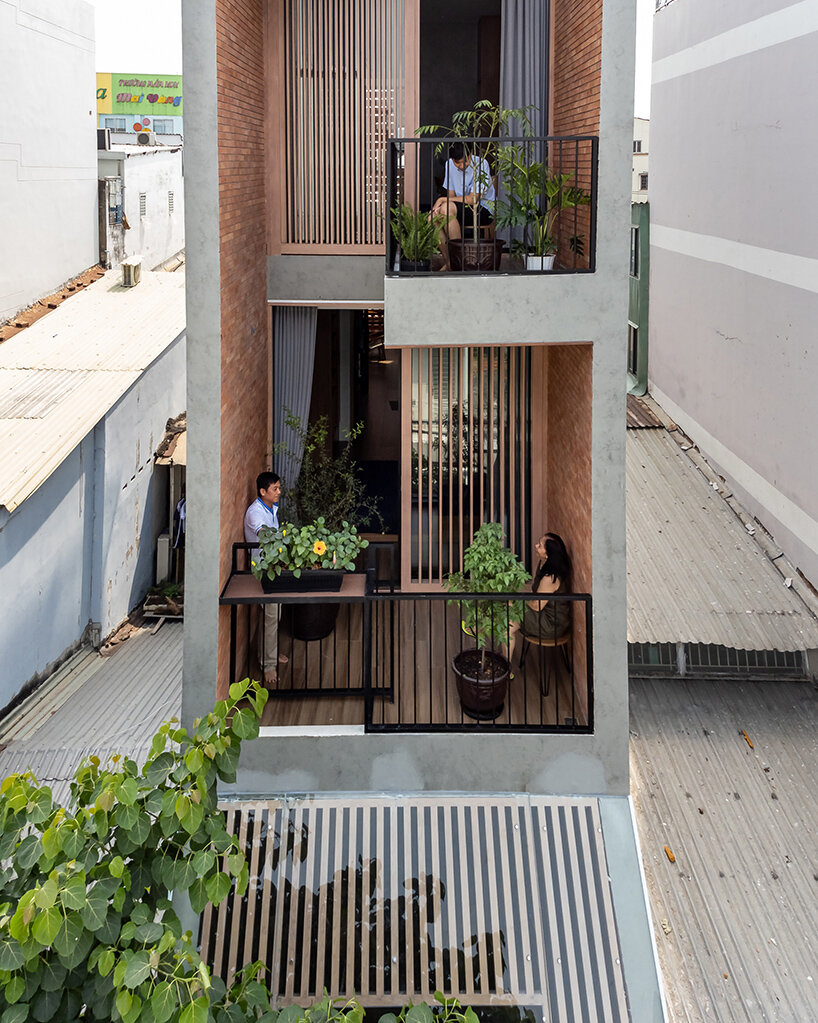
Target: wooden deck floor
413 644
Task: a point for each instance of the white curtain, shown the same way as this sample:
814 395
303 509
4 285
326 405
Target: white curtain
294 340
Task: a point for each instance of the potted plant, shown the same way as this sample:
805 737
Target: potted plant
533 200
306 557
321 506
416 235
482 671
484 121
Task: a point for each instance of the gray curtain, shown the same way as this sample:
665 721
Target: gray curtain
524 50
524 59
294 340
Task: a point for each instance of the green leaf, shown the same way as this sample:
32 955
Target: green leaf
149 932
116 867
46 926
195 1012
45 1004
95 910
157 770
126 816
73 842
14 989
128 791
217 887
138 969
420 1014
106 962
51 975
163 1002
28 852
71 935
197 893
124 1000
15 1014
203 861
46 896
235 861
51 843
73 894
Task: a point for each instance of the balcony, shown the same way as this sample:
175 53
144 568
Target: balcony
386 661
530 205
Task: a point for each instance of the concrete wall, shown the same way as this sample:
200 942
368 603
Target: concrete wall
160 233
734 250
81 548
48 165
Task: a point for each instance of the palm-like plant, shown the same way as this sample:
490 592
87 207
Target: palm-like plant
415 232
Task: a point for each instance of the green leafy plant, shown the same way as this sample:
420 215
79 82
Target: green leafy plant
328 487
487 121
87 928
534 199
447 1010
295 548
489 567
415 232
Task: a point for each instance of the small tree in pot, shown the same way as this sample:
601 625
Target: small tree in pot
482 672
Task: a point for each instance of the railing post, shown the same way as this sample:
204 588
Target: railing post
366 646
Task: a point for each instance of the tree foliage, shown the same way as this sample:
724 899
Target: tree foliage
87 927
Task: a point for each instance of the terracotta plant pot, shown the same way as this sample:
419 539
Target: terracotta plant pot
482 694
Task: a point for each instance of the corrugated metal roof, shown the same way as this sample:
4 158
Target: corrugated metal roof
59 377
495 901
640 415
740 940
695 575
103 705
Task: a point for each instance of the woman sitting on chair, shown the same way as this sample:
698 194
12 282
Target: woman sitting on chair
548 619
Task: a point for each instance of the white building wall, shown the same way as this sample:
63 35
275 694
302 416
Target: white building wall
48 164
641 135
734 249
81 548
159 233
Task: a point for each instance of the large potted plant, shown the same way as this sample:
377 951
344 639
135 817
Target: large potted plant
533 199
306 558
482 671
485 121
416 235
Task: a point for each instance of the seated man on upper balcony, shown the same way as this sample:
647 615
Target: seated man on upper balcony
469 201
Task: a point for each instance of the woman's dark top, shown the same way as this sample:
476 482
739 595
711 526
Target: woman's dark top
553 621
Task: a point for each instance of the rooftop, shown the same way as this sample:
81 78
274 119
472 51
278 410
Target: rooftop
60 376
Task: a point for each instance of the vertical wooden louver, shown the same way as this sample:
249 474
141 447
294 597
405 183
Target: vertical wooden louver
344 80
468 446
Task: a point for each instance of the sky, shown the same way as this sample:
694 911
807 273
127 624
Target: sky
123 46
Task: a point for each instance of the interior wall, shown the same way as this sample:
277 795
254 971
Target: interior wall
449 52
570 384
245 381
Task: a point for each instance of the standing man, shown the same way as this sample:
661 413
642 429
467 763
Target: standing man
264 512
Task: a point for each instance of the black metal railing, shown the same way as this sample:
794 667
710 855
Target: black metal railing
400 655
538 196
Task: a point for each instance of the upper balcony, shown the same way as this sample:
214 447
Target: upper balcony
349 88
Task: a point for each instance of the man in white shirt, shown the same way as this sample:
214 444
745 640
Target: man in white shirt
468 183
264 512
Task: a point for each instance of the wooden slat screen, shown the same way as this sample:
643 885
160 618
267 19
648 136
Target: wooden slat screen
468 446
346 84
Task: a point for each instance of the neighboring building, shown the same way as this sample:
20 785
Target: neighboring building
135 103
490 395
641 143
86 393
47 149
639 298
734 268
142 204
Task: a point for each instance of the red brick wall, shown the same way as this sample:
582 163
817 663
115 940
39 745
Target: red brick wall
570 384
244 313
575 81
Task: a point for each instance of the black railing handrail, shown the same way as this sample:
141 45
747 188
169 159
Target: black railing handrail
451 139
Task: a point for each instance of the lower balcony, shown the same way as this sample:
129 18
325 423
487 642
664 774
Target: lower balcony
373 657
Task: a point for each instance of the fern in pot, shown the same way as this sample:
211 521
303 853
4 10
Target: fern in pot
416 235
482 672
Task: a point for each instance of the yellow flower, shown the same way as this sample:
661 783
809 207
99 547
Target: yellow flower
280 549
319 548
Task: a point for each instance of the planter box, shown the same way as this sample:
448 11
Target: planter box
311 579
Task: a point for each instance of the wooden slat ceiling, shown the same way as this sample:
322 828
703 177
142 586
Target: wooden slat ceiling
501 901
